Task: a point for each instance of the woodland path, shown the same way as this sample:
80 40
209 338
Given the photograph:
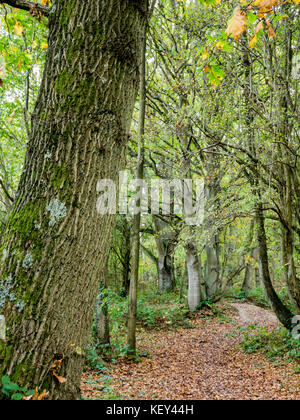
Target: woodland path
251 314
201 363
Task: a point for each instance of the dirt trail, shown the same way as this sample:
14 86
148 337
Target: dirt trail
200 363
250 314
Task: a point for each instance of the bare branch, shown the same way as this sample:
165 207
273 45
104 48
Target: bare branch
27 5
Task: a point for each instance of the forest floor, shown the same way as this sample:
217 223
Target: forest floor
202 362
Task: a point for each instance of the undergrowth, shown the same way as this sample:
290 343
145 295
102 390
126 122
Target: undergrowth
256 296
154 311
279 345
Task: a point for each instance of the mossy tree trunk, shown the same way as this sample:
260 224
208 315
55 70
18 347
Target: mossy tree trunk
282 312
55 245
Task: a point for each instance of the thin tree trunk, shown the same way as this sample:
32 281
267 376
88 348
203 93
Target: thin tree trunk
56 243
131 340
126 260
184 281
212 247
247 284
103 330
281 311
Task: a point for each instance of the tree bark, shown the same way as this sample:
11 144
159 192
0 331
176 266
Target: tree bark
132 313
165 244
56 243
281 311
212 248
247 283
196 290
103 330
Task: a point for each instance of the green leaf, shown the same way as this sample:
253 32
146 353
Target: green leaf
251 17
5 380
17 397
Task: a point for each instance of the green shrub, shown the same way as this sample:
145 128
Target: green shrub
256 296
279 344
12 391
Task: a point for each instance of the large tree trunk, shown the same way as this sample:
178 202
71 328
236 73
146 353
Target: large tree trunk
212 247
165 244
196 290
212 271
56 243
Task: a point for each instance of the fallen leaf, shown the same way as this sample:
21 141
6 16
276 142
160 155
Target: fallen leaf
38 396
54 368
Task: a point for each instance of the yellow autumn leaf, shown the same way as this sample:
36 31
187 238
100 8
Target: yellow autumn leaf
18 29
34 45
296 1
219 45
205 55
268 4
237 24
44 45
253 41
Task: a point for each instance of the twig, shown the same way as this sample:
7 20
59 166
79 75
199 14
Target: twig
6 192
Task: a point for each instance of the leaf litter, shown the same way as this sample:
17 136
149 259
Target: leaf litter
199 363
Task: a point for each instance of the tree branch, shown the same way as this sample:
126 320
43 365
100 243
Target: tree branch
6 192
27 5
149 254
